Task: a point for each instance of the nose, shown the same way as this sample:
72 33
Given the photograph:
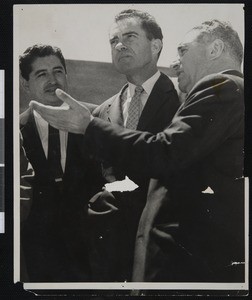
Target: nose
120 46
174 68
176 65
52 78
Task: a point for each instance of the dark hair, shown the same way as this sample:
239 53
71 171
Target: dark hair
148 22
216 29
35 51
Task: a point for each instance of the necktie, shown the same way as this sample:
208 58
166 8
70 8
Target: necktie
54 155
134 109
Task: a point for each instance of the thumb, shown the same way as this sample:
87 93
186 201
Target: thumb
63 96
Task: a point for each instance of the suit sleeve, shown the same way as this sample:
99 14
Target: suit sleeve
210 116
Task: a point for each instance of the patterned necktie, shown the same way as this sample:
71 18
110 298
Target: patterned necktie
134 109
54 155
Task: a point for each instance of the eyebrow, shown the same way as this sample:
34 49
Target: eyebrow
44 70
39 71
124 34
58 67
130 32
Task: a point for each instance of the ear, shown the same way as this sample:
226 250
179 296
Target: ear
25 84
215 49
156 46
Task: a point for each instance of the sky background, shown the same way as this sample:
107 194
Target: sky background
81 31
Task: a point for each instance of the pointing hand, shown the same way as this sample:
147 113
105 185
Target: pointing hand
75 117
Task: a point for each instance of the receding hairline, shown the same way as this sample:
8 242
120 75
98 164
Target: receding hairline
115 22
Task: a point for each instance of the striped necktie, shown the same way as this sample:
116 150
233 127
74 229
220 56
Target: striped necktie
134 109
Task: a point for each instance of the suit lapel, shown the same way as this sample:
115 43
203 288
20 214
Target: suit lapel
233 72
34 149
114 110
156 99
68 156
31 135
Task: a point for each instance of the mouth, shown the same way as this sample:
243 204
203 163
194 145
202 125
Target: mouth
124 57
51 90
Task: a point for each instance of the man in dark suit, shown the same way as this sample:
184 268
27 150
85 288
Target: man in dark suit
192 227
54 235
136 44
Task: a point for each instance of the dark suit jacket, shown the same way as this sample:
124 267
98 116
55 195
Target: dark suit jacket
158 112
54 236
161 105
191 228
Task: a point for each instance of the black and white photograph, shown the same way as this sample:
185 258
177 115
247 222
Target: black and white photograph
128 124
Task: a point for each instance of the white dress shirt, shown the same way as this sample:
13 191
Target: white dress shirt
147 86
42 127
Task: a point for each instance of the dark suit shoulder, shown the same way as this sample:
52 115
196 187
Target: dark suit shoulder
165 80
29 127
213 80
223 85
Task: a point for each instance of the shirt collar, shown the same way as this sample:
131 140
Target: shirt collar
147 85
39 119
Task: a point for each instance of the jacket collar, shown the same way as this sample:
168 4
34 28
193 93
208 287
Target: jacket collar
156 99
233 72
114 109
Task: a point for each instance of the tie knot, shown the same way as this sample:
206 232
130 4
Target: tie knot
138 90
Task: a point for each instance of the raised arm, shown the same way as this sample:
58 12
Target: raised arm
206 121
211 114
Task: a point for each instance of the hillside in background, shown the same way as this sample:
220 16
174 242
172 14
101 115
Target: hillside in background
88 81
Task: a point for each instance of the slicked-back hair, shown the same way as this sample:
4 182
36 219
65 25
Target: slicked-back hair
35 51
215 29
148 22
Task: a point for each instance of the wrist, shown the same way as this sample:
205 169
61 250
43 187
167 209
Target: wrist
86 124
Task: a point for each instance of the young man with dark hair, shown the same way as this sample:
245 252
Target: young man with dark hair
54 235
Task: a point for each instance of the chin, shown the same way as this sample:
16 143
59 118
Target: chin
181 88
124 68
53 102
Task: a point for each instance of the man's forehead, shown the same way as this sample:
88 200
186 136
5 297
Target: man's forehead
46 61
189 38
